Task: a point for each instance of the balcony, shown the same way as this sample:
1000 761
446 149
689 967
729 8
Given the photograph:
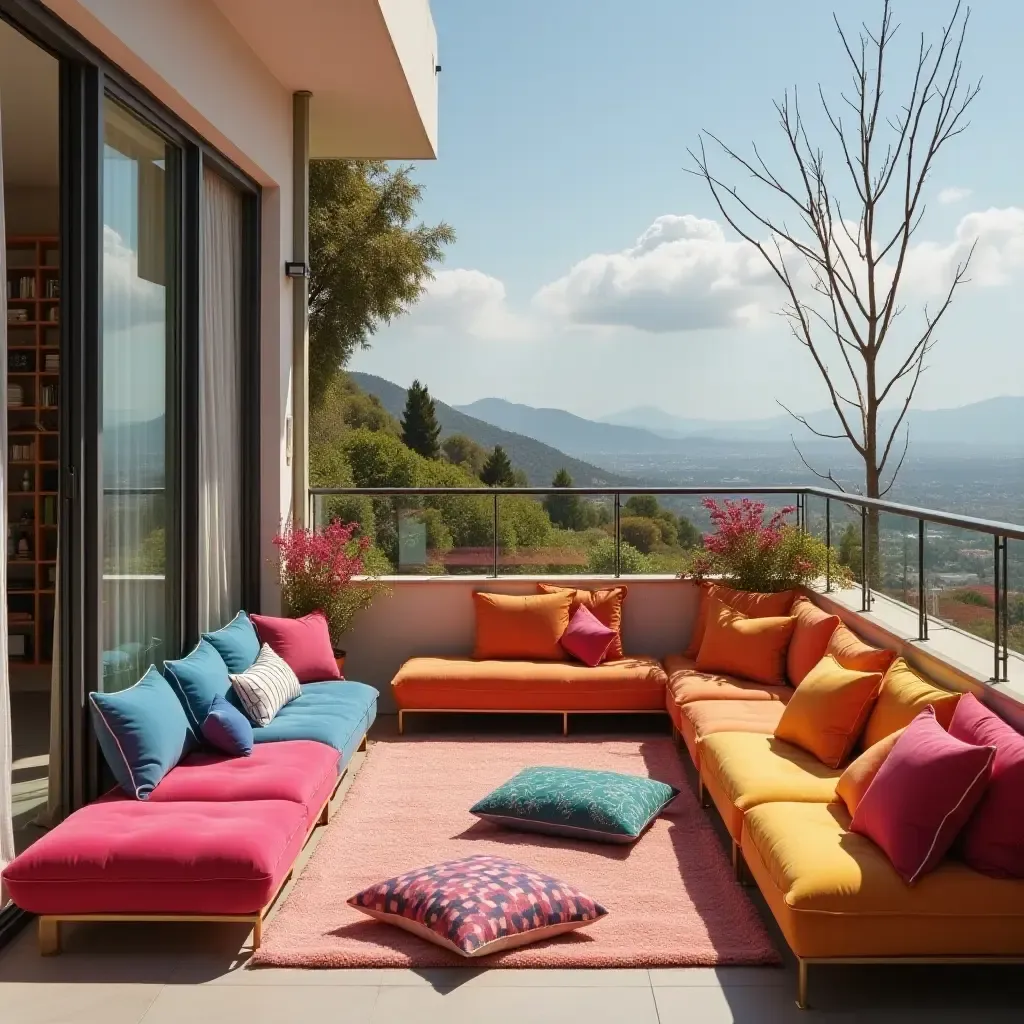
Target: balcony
911 598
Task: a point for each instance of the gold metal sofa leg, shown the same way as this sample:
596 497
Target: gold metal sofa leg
801 984
49 936
401 722
257 932
565 723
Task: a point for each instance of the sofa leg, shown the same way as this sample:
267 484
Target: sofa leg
801 984
702 793
49 936
565 723
736 870
325 814
362 746
401 722
257 932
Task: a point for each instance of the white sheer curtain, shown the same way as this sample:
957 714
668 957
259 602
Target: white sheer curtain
220 405
6 744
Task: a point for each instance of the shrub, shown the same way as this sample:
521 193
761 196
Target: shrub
631 561
642 533
750 554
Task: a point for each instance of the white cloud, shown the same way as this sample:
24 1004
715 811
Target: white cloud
953 194
128 300
469 301
682 274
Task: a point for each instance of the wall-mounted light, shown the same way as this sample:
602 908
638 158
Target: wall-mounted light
437 69
296 270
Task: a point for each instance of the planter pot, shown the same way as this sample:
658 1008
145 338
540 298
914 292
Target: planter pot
339 657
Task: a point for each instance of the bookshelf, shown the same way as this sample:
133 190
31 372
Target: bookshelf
33 444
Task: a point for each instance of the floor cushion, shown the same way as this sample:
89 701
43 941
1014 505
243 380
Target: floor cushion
835 894
464 684
338 714
702 718
302 771
743 770
687 684
160 857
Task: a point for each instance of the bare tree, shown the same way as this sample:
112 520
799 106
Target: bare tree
842 276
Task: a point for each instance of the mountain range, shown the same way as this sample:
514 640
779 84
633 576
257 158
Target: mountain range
993 423
538 460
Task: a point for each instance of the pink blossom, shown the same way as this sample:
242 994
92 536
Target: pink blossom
331 554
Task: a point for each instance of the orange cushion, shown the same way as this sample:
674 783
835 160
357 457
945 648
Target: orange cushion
687 684
827 713
851 652
811 635
903 696
606 606
509 626
706 717
462 684
740 646
753 605
861 771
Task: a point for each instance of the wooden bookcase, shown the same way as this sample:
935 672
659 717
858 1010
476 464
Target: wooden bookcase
33 443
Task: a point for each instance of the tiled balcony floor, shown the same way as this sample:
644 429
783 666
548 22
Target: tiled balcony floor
196 974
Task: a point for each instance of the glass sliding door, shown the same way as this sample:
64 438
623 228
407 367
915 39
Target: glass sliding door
140 595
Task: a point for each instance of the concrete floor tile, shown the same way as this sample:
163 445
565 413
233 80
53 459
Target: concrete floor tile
398 1005
674 977
265 1004
32 1003
738 1004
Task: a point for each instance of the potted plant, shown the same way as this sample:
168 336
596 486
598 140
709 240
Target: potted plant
324 569
747 553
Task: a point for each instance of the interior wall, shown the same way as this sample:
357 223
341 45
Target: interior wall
32 210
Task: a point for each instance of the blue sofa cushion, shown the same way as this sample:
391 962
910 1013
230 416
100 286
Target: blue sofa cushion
197 678
336 713
143 732
226 729
237 643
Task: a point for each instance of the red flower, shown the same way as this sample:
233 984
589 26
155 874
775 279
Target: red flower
331 554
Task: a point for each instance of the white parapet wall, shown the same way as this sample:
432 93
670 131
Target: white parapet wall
434 616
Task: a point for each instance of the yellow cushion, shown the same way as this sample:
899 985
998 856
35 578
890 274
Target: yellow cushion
743 770
745 647
826 714
835 894
703 718
904 694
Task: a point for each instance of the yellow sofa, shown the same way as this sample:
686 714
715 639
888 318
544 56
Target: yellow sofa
834 894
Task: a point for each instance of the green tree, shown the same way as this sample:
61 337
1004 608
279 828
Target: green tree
687 535
368 260
565 510
497 471
420 429
850 548
642 533
643 505
461 450
602 559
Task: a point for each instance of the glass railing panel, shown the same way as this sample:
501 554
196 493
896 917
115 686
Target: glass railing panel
556 534
959 580
893 557
658 531
1015 595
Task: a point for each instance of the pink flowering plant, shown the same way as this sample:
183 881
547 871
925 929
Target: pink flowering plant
749 553
324 569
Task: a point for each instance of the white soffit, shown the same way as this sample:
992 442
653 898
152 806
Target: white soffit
368 63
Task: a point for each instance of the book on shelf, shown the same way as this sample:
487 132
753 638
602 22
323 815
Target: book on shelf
17 316
51 362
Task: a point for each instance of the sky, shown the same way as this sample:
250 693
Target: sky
591 272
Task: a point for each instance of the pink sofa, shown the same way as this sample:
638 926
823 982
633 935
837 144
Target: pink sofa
216 840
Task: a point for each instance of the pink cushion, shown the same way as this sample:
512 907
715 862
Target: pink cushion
587 638
923 795
993 839
125 856
302 771
305 644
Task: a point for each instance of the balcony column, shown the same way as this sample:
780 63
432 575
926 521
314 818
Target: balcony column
300 309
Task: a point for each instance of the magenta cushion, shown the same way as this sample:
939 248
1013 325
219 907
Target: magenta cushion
305 644
587 638
993 839
128 856
302 771
923 795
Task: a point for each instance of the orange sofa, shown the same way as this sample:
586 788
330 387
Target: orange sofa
834 894
625 685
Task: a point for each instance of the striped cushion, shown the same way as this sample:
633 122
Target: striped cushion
266 686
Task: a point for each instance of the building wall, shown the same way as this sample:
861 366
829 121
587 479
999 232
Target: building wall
435 617
189 56
31 210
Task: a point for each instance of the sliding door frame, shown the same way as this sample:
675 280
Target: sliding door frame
87 79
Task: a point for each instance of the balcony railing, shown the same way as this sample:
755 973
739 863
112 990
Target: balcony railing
953 570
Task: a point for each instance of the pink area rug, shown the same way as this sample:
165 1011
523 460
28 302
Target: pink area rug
671 897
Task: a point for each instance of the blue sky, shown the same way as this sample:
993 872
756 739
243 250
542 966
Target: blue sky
564 127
